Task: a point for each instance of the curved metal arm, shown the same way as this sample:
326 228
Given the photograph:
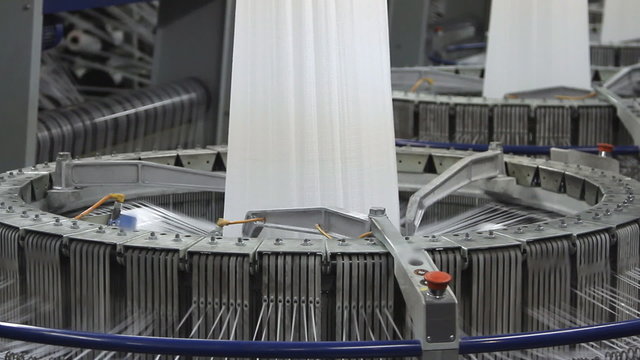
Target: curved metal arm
336 221
479 166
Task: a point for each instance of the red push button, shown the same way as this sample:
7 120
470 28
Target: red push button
437 280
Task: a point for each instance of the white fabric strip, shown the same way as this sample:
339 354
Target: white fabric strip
537 44
620 21
311 120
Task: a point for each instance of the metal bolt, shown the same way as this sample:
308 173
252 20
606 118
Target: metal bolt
519 230
278 241
451 337
578 219
20 172
631 198
428 338
607 212
492 234
372 241
24 214
11 174
2 205
239 242
342 242
596 216
306 242
26 7
121 232
377 211
36 217
57 222
74 224
34 167
10 209
467 236
563 223
618 207
177 238
625 203
539 227
213 240
100 230
433 238
153 236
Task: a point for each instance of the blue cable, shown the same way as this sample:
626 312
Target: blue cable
516 149
323 349
531 340
468 46
211 348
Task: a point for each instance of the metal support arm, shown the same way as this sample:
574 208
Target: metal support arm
434 319
79 183
334 221
627 110
479 166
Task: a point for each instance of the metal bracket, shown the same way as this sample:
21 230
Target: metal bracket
80 183
479 166
335 221
434 319
627 110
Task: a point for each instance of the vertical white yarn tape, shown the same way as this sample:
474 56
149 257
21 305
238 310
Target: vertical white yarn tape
537 44
311 121
620 21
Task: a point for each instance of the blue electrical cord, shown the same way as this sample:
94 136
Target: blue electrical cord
577 335
516 149
211 348
323 349
468 46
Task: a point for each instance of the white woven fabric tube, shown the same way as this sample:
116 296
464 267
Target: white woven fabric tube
620 21
311 120
537 44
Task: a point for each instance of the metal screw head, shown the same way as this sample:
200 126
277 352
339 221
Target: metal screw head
278 241
26 7
578 219
377 211
57 222
342 242
2 206
239 242
539 227
20 172
152 236
24 214
492 234
596 215
563 223
121 232
607 212
213 240
433 238
306 242
36 217
100 230
177 238
467 236
451 337
10 209
74 224
11 174
519 230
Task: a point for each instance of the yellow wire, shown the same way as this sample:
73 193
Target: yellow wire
321 230
581 97
419 82
367 234
117 197
224 222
